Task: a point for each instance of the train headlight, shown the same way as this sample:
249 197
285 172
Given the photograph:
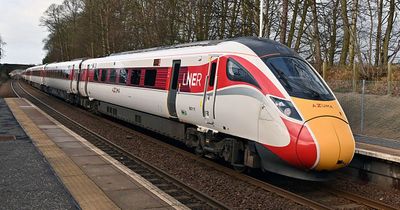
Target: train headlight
286 107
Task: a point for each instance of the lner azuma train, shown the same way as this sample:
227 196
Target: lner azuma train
250 101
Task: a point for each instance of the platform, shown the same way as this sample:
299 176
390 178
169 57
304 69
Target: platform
26 178
381 148
93 178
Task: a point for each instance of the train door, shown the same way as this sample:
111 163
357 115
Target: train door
42 76
210 90
71 77
173 88
87 74
77 77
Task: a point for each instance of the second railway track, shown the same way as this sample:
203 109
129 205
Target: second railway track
188 196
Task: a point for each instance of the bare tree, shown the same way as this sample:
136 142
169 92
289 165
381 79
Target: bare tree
346 36
333 34
386 40
2 43
353 32
293 23
317 30
316 38
284 20
302 25
378 32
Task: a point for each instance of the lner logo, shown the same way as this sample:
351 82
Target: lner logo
192 79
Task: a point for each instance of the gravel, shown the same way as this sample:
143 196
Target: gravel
227 189
234 193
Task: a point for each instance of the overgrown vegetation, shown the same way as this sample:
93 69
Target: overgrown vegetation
338 32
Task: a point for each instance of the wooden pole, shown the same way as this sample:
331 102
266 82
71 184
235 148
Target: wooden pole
355 77
324 70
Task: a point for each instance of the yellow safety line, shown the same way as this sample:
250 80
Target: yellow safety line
83 189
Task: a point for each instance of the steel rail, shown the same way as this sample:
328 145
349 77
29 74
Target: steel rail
360 199
245 178
12 88
262 184
129 160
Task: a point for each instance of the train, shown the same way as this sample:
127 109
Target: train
252 102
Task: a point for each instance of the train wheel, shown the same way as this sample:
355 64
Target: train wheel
240 168
194 140
234 153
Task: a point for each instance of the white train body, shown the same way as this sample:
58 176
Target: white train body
239 89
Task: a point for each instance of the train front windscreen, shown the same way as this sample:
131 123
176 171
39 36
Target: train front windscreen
297 77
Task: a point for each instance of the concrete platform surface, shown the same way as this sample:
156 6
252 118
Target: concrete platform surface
381 148
26 178
93 178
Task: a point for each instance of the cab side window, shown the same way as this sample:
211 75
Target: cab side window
237 72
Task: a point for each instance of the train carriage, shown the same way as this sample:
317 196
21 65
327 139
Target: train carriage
251 101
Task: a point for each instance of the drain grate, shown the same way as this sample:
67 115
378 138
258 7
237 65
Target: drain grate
7 138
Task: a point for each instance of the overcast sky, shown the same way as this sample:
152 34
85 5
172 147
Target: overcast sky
19 28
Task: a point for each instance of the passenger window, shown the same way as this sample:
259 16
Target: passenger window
135 77
96 75
150 77
113 76
103 75
237 72
122 76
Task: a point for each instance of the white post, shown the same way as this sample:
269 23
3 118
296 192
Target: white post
261 18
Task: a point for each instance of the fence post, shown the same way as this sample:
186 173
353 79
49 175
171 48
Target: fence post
362 107
389 79
324 68
355 77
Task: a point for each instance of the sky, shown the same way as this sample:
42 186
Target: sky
20 29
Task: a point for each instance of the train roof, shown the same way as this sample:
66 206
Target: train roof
65 64
265 47
260 46
35 68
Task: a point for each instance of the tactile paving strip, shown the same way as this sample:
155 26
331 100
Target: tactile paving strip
83 189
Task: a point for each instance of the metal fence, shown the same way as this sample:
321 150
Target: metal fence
372 107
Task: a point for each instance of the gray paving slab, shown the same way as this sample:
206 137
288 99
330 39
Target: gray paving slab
26 178
63 139
70 144
78 152
88 160
99 170
135 199
57 134
114 182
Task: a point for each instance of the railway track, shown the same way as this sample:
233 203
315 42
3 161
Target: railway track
148 171
188 196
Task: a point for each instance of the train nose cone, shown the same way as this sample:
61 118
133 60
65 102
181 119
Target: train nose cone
334 139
